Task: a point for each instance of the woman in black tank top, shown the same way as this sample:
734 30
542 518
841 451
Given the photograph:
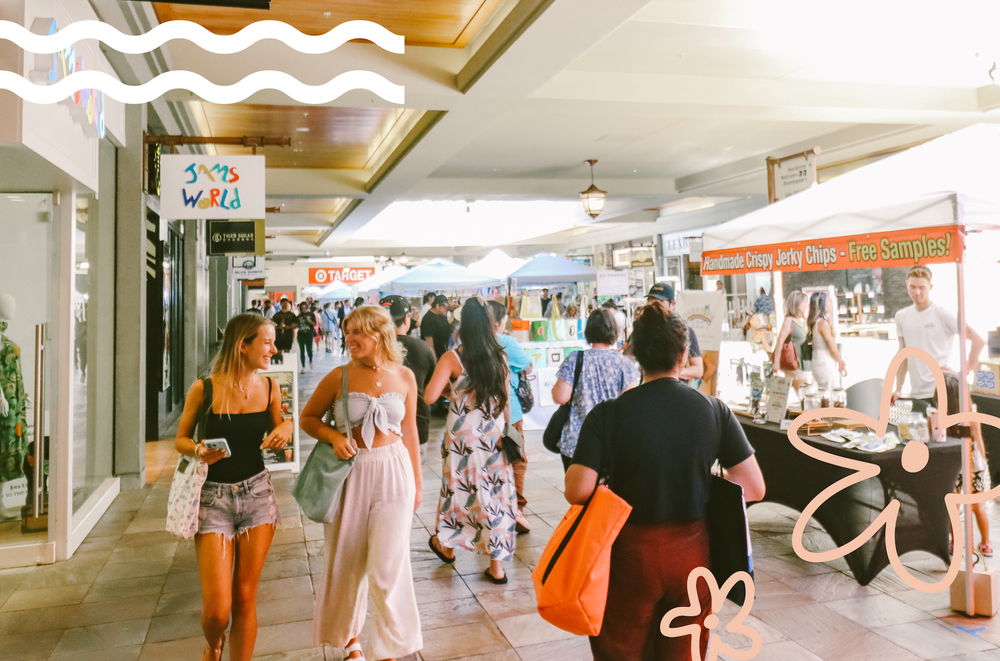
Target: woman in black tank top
238 511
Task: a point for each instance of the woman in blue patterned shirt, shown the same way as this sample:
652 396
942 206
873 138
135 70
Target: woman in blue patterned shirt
606 374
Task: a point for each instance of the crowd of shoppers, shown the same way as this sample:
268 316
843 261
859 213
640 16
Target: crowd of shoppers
393 379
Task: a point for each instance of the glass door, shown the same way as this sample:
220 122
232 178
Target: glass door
28 405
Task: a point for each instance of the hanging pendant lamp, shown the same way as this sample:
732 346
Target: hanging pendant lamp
592 198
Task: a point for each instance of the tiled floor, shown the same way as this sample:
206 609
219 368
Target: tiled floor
132 591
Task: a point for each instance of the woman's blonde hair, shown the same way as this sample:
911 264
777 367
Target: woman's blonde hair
375 322
226 365
794 302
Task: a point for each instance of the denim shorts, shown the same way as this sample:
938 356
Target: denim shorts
233 509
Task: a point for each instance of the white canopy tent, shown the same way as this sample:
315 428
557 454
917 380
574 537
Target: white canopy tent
336 291
380 278
497 264
440 274
950 181
546 269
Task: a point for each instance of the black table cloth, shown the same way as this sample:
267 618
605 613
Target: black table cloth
991 435
794 479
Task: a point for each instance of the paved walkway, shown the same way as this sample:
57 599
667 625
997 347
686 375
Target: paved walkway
132 590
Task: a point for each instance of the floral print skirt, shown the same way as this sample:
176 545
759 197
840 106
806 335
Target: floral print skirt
478 500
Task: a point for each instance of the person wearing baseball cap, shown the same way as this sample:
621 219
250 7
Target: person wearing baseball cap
662 294
418 357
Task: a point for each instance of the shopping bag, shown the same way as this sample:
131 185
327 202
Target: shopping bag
571 579
183 502
541 331
321 481
729 549
185 495
531 307
554 428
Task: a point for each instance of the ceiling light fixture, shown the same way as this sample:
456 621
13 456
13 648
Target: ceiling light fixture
389 262
403 259
303 129
593 198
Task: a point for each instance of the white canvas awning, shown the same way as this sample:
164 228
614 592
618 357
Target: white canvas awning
954 179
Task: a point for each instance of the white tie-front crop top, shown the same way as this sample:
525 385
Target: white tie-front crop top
384 412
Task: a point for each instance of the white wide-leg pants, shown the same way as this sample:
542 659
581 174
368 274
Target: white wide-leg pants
368 548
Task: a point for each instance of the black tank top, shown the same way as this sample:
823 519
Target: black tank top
244 432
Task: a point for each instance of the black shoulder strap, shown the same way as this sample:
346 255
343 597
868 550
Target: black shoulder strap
206 406
608 448
576 374
270 385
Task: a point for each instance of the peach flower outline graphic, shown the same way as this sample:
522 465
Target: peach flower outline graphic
715 644
914 458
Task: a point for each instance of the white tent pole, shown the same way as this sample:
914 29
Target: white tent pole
778 295
963 384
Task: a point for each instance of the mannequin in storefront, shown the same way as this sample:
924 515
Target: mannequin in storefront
13 403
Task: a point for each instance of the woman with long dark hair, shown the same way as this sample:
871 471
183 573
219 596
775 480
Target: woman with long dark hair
826 360
238 511
478 502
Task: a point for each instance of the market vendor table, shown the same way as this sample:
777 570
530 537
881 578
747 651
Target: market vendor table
794 479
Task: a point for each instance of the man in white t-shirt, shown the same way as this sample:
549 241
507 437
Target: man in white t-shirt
930 327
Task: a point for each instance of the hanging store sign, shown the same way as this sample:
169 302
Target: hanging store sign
642 258
236 237
86 105
213 187
791 174
927 245
347 275
247 268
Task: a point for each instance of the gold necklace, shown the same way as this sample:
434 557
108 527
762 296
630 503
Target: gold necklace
245 391
376 368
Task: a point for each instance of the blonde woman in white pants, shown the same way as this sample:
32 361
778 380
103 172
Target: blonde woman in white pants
368 543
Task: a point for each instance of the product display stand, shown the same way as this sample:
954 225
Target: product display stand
548 344
287 377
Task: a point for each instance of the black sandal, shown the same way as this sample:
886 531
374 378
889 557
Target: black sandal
496 581
445 559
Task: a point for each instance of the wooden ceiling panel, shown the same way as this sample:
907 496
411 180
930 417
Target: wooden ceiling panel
307 205
441 23
339 138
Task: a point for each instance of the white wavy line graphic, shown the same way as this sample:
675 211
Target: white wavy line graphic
201 37
187 80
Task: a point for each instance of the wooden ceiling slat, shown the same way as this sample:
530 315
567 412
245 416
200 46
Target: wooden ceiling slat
341 138
441 23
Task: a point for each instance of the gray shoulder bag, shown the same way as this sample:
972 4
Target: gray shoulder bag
321 481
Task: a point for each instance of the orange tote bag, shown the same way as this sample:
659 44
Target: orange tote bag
571 579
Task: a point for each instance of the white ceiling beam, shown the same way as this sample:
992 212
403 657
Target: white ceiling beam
850 101
439 188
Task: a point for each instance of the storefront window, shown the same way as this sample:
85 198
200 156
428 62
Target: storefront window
26 303
92 377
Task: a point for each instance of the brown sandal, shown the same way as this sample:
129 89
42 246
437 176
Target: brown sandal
437 551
